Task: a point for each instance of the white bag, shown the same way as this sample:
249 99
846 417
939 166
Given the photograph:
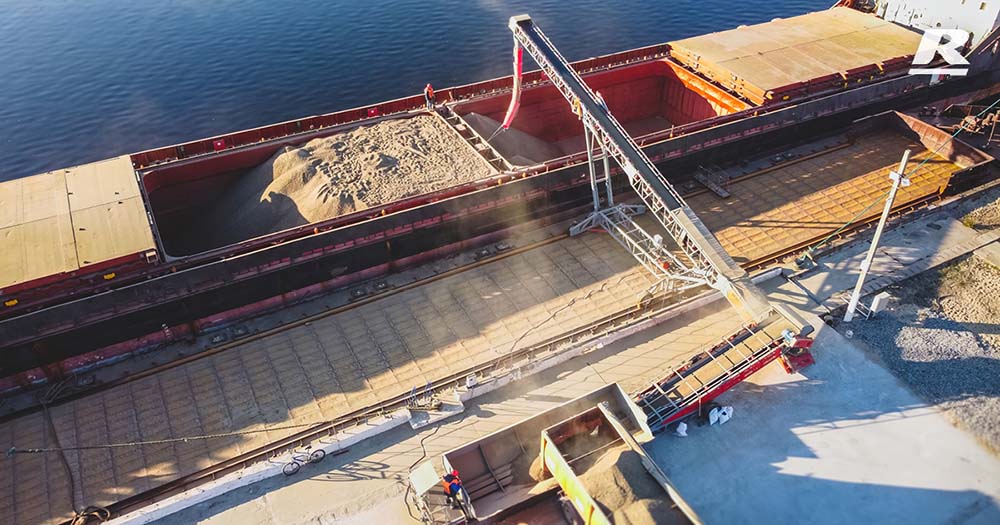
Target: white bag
720 415
725 414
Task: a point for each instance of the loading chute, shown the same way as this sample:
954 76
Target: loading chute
515 98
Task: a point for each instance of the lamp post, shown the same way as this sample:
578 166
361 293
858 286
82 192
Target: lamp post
898 179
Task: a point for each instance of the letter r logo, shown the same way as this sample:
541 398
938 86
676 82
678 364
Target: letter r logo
944 42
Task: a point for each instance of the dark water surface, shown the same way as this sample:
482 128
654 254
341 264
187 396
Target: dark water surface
89 79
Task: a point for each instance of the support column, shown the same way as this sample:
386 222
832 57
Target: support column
588 137
898 178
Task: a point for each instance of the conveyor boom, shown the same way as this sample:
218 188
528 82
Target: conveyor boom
691 235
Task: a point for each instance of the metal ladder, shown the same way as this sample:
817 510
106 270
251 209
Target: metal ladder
709 261
708 178
483 148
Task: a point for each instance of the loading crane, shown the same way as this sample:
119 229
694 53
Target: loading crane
704 260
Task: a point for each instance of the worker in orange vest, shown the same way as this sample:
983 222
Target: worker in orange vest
429 96
452 486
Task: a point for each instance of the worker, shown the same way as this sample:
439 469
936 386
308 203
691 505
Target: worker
600 100
429 96
452 486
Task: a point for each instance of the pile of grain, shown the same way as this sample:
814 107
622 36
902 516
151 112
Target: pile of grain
518 147
622 486
343 173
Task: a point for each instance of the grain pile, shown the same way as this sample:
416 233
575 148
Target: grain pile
343 173
627 492
518 147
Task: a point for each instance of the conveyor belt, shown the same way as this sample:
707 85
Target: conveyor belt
712 372
683 225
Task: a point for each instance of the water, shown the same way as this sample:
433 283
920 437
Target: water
83 81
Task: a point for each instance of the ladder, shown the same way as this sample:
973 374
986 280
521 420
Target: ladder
482 147
708 177
708 261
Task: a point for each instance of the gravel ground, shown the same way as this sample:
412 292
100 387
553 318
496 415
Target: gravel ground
983 214
941 337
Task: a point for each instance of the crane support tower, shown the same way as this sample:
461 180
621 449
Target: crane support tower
704 259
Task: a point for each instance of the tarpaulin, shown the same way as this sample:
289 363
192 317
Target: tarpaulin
515 98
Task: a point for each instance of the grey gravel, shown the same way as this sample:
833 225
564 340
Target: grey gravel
983 213
941 337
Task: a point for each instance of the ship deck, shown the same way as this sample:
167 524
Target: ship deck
66 220
784 55
791 204
358 356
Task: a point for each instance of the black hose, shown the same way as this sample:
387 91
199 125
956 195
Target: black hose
100 514
409 487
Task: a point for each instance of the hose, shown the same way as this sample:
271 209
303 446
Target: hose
423 455
95 512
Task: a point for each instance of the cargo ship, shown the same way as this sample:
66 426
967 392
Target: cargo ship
106 258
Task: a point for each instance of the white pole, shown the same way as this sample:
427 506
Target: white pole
588 138
898 178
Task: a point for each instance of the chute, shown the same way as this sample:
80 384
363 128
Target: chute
515 98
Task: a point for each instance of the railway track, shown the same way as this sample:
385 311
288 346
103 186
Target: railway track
924 193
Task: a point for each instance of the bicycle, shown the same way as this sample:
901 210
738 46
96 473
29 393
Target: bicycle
299 459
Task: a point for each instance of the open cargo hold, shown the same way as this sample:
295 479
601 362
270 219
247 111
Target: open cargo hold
646 98
792 57
198 208
352 170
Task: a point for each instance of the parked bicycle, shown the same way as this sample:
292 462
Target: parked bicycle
307 455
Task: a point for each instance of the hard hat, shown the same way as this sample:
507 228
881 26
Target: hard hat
454 473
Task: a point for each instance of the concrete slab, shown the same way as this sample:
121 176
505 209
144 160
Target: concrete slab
990 253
